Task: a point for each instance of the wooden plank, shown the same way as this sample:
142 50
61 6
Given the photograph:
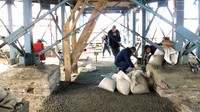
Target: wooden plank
87 31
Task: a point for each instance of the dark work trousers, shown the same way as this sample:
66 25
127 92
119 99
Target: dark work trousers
115 51
122 65
105 47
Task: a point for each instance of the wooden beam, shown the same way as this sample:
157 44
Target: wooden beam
75 68
67 50
87 31
73 27
74 11
79 15
67 55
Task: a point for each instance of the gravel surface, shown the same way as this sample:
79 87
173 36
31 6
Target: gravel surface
88 98
84 96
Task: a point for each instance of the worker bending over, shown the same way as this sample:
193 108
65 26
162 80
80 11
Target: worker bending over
123 59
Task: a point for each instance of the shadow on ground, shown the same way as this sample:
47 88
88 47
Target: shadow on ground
84 96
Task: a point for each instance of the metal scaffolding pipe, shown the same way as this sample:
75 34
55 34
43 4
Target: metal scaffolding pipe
153 12
198 49
134 29
151 21
143 32
10 29
23 30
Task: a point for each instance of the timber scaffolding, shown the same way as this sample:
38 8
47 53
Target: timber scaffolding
72 48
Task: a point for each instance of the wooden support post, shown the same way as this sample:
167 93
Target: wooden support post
87 31
75 68
67 55
79 15
67 50
67 46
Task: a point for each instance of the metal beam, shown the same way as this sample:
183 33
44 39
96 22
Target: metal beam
143 31
198 49
179 22
153 12
128 27
10 28
28 40
107 10
23 30
151 21
134 28
56 23
136 33
63 11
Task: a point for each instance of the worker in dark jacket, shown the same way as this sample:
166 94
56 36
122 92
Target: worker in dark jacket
114 40
123 60
105 45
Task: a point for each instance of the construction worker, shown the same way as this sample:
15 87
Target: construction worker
123 59
39 46
148 53
114 40
105 44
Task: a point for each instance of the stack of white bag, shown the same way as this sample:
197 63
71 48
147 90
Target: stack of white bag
134 82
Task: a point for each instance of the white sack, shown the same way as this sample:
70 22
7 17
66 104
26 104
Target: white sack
171 56
90 67
81 64
123 83
122 75
107 84
82 69
114 76
138 83
156 60
123 86
158 52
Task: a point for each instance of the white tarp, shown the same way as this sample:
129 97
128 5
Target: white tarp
170 55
